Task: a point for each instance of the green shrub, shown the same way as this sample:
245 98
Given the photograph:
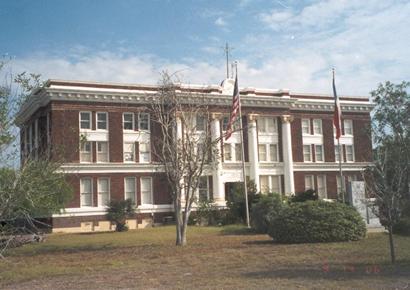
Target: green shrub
316 221
118 211
309 194
267 204
236 201
403 225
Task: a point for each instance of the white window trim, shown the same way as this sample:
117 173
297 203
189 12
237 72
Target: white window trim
152 191
231 152
312 179
91 152
108 151
309 129
133 121
196 123
337 161
98 191
310 152
96 121
321 127
135 188
265 119
123 153
139 153
139 121
325 185
91 121
92 192
207 187
350 161
344 126
323 153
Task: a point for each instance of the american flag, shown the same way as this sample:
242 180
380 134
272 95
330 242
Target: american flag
234 110
337 115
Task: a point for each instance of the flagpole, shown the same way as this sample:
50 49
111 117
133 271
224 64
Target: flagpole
342 184
243 155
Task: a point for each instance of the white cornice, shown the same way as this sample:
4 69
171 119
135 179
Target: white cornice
330 166
91 168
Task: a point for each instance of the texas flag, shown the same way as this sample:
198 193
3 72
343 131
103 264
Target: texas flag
337 116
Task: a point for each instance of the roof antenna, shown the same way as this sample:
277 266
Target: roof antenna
227 50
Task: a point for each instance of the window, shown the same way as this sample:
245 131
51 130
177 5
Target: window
348 127
307 154
128 121
309 182
145 150
262 152
225 121
269 183
238 152
129 152
129 188
317 127
85 120
102 151
146 190
227 152
85 152
321 186
273 152
349 153
86 192
337 153
102 121
200 123
103 191
305 126
203 188
267 125
319 153
143 121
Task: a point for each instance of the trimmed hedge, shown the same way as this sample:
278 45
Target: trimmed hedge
316 221
266 204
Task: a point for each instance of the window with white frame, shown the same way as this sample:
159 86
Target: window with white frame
309 182
348 125
267 125
102 151
102 121
143 121
86 192
146 190
349 153
103 190
85 120
238 152
319 153
317 127
273 152
269 183
85 152
307 153
227 152
262 153
203 188
144 152
321 186
129 188
200 123
129 152
128 121
305 126
337 153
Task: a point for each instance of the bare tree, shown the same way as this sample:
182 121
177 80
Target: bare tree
183 146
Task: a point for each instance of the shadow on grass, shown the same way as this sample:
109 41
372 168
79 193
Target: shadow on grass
237 230
53 249
335 271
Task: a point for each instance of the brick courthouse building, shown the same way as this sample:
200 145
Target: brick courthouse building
104 134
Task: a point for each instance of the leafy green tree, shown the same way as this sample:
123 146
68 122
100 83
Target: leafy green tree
387 180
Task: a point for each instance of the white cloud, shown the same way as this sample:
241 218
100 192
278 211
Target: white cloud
220 22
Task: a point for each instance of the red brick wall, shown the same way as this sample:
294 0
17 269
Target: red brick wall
115 136
328 140
297 141
362 140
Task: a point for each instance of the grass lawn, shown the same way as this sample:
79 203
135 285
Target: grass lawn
217 258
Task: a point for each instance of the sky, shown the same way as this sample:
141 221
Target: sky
277 44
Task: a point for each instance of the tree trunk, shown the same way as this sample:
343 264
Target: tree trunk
392 253
178 223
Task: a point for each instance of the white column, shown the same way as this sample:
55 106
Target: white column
253 150
217 183
287 154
